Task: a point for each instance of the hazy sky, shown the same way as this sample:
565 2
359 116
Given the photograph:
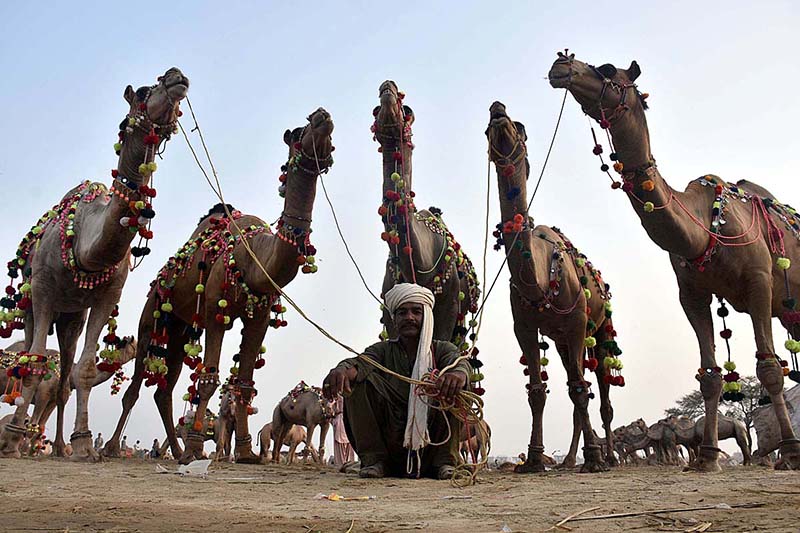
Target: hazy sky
721 77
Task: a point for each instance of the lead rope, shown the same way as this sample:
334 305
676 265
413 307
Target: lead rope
467 405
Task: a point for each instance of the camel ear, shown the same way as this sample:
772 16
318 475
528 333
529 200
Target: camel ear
130 95
287 137
634 71
521 130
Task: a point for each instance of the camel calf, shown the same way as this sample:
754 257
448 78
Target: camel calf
294 436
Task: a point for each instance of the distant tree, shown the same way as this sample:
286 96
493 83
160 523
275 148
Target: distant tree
690 406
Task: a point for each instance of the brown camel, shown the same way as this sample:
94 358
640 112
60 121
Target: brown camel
45 399
722 240
293 438
557 292
689 433
76 259
767 430
212 281
473 441
421 248
303 406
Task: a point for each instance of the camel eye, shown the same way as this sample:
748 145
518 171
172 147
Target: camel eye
608 70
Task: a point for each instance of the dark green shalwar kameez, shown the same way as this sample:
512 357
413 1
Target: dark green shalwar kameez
375 413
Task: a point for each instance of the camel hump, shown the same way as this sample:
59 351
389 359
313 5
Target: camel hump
752 188
218 209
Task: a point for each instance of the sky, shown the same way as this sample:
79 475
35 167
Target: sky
718 74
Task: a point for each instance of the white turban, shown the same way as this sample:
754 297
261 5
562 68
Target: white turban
416 435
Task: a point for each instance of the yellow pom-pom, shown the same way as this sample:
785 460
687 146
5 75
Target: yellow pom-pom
590 342
784 263
648 207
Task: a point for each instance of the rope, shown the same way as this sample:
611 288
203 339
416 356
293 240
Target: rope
467 404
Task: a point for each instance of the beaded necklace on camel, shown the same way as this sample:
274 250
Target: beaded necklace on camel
724 194
395 209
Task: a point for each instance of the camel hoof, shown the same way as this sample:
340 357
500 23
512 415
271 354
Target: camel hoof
567 464
247 457
529 468
703 465
593 467
111 449
612 461
790 456
83 451
190 455
9 445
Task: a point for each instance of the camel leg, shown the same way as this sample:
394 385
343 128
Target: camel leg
111 449
68 331
309 443
85 372
388 283
769 372
280 428
206 387
253 332
744 446
528 339
323 434
696 304
572 455
14 431
579 394
292 451
163 397
606 409
446 310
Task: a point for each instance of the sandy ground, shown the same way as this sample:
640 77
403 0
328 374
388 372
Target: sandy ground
128 495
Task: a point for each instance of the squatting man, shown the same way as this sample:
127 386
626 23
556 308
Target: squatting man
391 427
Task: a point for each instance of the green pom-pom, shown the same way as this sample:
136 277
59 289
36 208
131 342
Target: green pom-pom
590 342
26 287
117 147
580 262
649 207
587 293
461 296
792 345
395 176
783 263
166 307
263 349
730 366
156 314
223 303
544 361
24 359
608 362
186 397
199 288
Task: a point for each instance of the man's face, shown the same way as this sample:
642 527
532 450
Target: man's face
408 319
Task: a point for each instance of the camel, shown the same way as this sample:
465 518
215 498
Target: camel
767 430
303 406
212 425
557 292
659 437
690 433
421 248
211 281
473 440
722 240
45 398
75 259
293 438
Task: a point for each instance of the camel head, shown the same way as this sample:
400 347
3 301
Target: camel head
393 120
506 141
158 104
604 92
311 146
127 349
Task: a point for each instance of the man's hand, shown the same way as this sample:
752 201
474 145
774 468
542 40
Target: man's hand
450 383
338 382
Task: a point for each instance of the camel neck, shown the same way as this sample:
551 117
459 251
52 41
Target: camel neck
668 225
392 165
513 201
298 206
102 242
